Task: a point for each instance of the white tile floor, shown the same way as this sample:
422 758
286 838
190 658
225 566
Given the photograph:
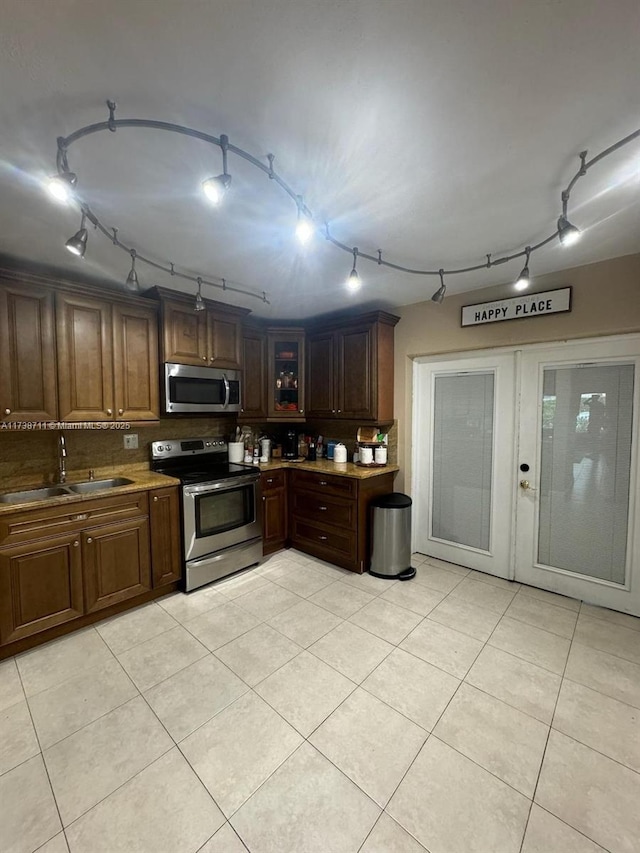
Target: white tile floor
299 708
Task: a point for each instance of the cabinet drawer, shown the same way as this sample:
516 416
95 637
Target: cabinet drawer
324 541
272 480
338 512
53 520
325 483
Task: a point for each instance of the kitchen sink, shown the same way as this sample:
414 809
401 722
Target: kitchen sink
96 485
33 495
60 491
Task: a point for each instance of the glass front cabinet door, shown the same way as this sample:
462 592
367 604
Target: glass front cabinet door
286 374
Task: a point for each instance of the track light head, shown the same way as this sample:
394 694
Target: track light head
304 227
215 188
61 186
438 296
77 244
132 282
199 303
524 279
568 234
353 281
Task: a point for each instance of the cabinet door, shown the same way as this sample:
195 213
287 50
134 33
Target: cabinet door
321 401
254 374
116 563
184 334
40 586
27 354
166 554
274 520
225 335
135 346
85 358
356 381
285 379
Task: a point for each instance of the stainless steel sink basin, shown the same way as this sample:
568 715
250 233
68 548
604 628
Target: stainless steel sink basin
97 485
33 495
60 491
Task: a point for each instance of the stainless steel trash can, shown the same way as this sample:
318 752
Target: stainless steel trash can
391 537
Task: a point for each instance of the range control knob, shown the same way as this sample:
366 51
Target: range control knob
169 447
208 444
160 448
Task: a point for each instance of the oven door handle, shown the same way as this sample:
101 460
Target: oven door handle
227 391
223 486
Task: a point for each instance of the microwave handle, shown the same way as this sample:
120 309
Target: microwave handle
226 391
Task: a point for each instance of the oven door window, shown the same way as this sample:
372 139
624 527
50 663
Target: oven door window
220 511
187 390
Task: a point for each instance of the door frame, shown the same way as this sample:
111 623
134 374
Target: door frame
419 462
563 581
495 560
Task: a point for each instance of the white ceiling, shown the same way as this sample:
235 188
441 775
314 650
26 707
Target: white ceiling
436 130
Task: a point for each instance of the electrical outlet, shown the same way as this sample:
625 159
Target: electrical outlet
131 441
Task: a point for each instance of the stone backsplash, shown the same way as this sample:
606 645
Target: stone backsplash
31 456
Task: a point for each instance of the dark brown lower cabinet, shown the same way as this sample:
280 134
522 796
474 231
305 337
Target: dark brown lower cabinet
329 516
274 510
68 563
40 585
166 552
117 563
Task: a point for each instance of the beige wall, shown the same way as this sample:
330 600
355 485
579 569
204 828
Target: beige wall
606 301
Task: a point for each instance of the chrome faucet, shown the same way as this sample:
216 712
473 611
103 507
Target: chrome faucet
62 455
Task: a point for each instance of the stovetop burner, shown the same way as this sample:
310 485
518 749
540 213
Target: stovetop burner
196 460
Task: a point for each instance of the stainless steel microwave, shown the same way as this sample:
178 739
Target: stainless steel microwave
200 390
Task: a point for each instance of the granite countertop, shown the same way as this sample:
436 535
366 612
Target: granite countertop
327 466
141 480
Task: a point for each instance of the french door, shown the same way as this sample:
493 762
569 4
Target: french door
531 466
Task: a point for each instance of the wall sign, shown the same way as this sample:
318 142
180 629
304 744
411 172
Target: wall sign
531 305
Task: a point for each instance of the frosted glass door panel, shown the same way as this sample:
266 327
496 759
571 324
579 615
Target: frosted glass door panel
463 459
587 417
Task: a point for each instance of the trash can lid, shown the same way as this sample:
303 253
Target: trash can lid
394 500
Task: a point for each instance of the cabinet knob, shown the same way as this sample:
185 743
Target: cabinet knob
76 543
302 411
322 508
155 498
7 411
339 411
323 538
89 540
121 411
109 412
323 482
270 480
204 358
333 411
212 359
263 498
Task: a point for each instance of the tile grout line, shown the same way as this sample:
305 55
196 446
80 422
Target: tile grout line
546 745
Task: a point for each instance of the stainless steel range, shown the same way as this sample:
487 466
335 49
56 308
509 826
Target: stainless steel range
221 526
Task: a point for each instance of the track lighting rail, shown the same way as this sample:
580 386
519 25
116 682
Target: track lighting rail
564 230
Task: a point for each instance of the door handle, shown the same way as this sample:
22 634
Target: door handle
524 485
226 391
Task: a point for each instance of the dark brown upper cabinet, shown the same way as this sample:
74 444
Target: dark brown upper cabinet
209 338
350 368
28 388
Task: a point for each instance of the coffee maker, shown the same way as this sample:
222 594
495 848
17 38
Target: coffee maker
290 445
